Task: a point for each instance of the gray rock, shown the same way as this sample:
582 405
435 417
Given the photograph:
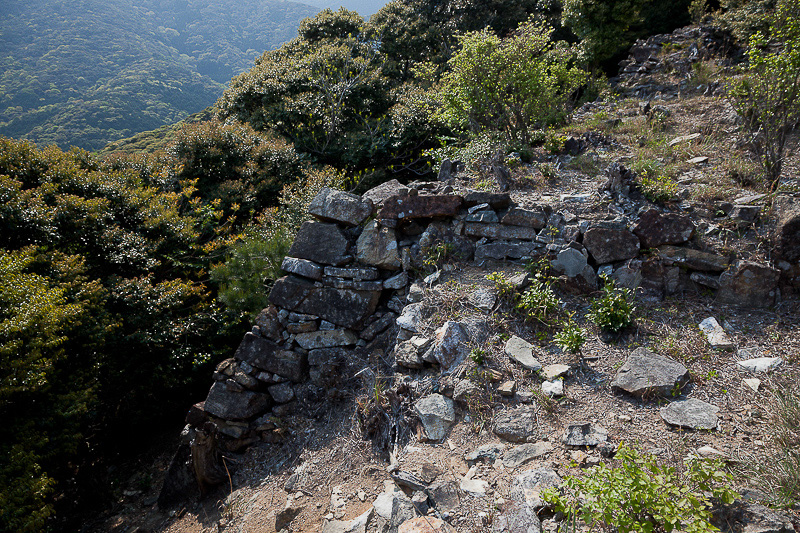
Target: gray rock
692 259
504 250
326 339
356 273
377 246
607 244
451 345
378 326
483 298
646 374
746 213
483 217
691 413
410 317
499 231
553 388
584 434
420 206
750 517
465 390
519 455
569 262
349 284
517 425
760 364
321 243
495 200
384 191
707 280
551 372
517 517
302 267
656 228
487 453
346 308
715 334
392 508
396 282
528 486
521 351
437 414
445 496
525 218
331 205
749 285
407 355
229 405
266 355
408 480
357 525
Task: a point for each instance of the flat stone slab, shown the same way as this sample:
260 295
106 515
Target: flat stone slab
557 370
377 246
230 405
684 139
346 308
691 413
584 434
749 285
519 455
524 217
505 250
425 524
569 262
516 425
760 364
693 259
437 414
302 267
647 374
488 453
715 334
521 351
326 339
499 231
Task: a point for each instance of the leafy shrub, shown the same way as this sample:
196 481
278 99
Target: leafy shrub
510 85
505 289
766 96
554 141
613 310
642 496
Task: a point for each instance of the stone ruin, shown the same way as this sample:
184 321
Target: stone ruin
349 292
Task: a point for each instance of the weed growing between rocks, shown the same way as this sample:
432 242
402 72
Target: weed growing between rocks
613 311
640 495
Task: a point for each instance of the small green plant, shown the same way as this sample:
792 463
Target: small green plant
659 189
505 289
548 170
478 356
436 255
571 338
642 496
613 310
538 302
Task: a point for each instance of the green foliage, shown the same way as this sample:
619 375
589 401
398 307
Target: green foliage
571 338
659 189
554 141
255 260
641 496
434 256
505 289
604 28
766 95
613 310
478 356
510 85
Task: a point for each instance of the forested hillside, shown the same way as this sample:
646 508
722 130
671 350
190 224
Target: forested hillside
89 72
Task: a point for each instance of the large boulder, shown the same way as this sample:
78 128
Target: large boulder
749 285
321 243
343 307
656 228
339 206
646 374
609 244
787 230
692 259
377 246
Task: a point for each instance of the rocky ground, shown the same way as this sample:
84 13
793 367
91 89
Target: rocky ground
427 439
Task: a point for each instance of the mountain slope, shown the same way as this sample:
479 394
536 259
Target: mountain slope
88 72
